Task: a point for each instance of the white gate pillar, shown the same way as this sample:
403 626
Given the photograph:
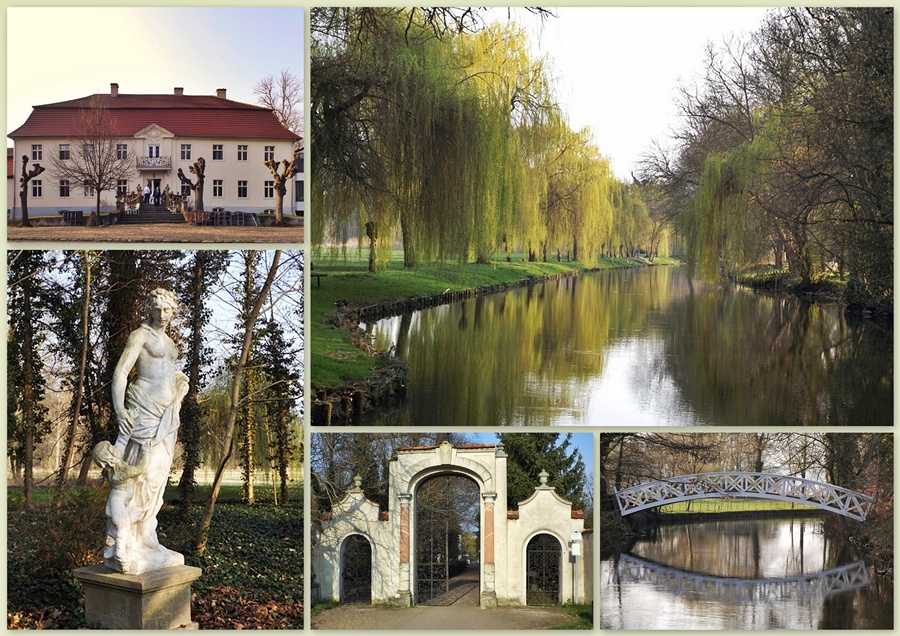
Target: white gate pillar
404 594
489 595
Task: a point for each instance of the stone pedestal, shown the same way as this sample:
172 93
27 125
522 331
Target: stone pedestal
160 599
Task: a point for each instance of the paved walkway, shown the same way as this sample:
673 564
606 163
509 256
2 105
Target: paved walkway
447 618
458 609
167 233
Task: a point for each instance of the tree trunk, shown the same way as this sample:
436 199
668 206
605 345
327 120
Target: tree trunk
82 370
206 519
28 406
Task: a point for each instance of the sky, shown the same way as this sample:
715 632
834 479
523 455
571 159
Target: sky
618 67
145 50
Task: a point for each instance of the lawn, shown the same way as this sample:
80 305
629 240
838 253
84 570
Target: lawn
252 569
700 506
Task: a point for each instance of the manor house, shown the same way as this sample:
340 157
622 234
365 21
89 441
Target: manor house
162 133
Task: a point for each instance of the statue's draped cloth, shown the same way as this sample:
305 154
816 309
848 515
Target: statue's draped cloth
153 435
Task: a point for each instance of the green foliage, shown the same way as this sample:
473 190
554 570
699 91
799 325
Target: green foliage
252 570
458 147
531 453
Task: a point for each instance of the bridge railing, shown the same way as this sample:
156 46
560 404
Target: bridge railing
744 484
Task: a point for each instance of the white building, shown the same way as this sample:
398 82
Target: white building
163 133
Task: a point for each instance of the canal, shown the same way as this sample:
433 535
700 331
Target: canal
743 574
638 347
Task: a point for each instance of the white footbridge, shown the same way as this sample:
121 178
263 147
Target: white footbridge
741 484
846 578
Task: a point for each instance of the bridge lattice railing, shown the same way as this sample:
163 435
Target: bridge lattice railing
744 484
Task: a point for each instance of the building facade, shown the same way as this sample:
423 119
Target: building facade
162 133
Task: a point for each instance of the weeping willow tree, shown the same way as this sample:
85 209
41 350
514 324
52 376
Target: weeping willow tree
450 144
721 229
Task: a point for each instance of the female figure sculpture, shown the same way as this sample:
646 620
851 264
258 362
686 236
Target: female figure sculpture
147 412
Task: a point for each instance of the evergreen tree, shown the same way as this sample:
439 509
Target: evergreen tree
530 453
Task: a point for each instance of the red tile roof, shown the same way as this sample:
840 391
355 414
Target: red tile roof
183 115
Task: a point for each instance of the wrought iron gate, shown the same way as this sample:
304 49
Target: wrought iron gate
356 570
432 552
543 560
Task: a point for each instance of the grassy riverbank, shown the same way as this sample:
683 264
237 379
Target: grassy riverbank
336 360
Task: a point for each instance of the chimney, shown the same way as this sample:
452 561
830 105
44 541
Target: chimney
220 93
179 90
114 89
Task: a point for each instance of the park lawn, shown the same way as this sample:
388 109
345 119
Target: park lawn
336 361
700 506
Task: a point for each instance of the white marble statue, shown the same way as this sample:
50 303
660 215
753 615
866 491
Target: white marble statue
138 464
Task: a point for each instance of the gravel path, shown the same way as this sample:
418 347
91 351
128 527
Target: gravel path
168 233
458 610
453 618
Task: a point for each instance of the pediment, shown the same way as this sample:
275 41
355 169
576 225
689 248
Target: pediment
153 132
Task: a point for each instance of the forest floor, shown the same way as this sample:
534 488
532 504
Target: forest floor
252 568
149 233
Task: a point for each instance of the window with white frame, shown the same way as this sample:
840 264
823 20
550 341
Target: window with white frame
269 153
88 190
242 152
218 152
37 188
218 187
122 187
153 151
186 152
64 152
121 151
242 189
37 152
298 191
269 189
63 188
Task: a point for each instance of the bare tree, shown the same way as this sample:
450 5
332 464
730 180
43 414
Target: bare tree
290 168
23 193
284 95
198 169
98 159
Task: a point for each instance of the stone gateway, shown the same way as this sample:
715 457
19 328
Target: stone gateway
538 554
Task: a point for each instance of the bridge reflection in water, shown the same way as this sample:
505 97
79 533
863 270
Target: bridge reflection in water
846 578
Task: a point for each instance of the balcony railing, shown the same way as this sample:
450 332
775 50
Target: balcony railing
154 163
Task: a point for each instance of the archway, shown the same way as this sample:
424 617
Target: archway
543 569
447 537
356 570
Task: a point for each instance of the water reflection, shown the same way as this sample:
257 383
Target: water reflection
762 574
639 347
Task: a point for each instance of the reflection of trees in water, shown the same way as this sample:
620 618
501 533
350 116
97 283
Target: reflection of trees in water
768 360
729 356
523 356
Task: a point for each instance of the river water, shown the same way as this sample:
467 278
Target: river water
747 574
639 347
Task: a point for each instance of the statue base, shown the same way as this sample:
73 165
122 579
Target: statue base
160 599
